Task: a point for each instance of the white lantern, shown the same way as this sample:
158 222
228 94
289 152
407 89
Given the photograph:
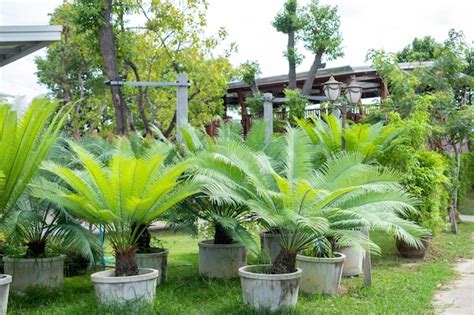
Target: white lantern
353 92
332 89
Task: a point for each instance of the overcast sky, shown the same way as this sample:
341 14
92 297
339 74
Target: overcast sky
365 24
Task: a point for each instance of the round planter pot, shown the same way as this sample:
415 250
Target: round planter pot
156 260
5 281
35 272
353 264
110 289
221 260
264 291
269 246
320 275
408 251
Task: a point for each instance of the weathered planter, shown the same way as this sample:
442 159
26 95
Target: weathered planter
156 260
5 281
264 291
320 275
269 246
408 251
353 262
110 289
35 272
221 260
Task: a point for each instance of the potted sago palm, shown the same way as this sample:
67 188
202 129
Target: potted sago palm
24 142
226 252
304 205
123 195
39 232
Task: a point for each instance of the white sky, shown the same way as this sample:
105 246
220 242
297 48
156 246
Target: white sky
365 24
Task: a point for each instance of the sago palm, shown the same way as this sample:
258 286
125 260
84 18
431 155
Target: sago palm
228 220
24 142
38 224
124 195
366 139
304 204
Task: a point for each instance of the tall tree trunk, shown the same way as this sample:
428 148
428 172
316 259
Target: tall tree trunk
140 96
308 84
453 209
245 120
291 60
107 50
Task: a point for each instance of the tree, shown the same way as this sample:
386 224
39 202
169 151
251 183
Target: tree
423 49
320 35
287 21
72 73
168 41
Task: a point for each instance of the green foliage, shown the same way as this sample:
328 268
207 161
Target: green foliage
369 140
466 177
424 173
423 49
168 39
289 196
36 227
320 32
249 71
24 141
296 103
133 187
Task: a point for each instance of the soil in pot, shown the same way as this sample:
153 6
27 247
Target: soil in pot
154 258
320 275
408 251
112 290
35 272
221 260
265 291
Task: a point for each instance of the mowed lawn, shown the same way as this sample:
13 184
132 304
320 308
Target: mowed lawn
400 286
466 206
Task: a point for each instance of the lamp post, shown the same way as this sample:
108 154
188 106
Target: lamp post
353 93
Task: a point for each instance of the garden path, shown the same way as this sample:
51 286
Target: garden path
458 297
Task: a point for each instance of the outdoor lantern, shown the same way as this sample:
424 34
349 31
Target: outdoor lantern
353 92
332 89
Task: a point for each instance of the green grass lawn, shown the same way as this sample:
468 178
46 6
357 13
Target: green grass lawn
400 286
466 206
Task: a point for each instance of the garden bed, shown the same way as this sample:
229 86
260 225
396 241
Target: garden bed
399 285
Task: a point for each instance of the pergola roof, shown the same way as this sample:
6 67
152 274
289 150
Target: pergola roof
366 76
19 41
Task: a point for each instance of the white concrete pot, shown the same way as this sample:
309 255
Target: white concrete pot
270 246
221 260
354 260
264 291
320 275
35 272
110 289
158 261
5 281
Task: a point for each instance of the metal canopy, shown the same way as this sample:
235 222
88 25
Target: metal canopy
19 41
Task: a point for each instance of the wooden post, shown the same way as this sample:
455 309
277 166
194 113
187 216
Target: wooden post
367 266
181 104
268 114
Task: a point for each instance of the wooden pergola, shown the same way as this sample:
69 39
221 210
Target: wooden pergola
372 83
